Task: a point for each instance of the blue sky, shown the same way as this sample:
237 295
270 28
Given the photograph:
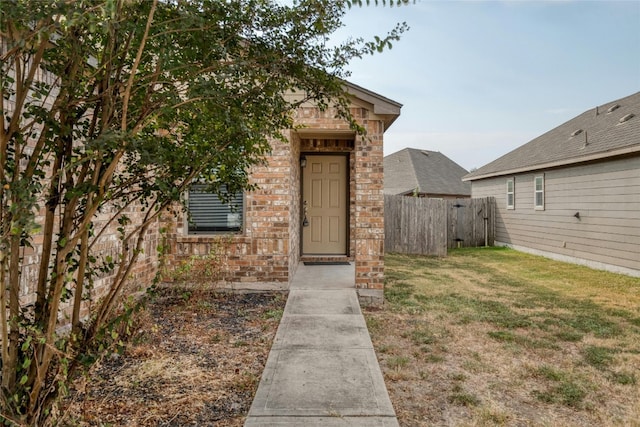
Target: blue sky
480 78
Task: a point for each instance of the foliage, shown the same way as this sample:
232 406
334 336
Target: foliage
205 269
114 106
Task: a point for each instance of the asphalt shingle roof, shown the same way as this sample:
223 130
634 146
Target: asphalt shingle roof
430 171
596 133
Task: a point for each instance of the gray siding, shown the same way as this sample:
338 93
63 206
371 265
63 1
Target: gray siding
607 196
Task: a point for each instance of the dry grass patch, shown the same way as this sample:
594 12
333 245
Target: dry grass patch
497 337
196 359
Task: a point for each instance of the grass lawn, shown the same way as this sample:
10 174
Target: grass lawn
492 336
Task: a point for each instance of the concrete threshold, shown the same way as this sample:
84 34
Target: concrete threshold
322 369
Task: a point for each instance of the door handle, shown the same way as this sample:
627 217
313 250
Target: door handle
305 221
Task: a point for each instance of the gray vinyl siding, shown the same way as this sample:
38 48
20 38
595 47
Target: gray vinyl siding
606 195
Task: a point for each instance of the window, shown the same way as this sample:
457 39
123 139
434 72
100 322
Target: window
539 192
511 194
208 214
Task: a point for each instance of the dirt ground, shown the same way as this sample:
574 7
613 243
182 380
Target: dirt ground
194 359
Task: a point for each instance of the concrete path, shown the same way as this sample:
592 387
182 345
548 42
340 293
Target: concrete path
322 370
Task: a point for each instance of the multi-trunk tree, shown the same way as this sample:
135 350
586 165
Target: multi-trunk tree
113 105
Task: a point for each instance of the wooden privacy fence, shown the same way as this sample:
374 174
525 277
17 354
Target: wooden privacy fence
415 225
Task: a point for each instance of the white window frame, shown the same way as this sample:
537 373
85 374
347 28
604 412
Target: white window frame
511 193
237 217
536 192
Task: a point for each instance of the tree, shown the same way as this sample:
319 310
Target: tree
110 105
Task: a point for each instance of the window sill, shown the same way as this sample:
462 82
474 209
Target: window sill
209 237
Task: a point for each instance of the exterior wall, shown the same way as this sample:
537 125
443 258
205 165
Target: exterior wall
295 222
108 244
267 252
366 185
607 197
268 249
369 208
260 253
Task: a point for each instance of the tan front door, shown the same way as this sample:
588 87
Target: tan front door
324 199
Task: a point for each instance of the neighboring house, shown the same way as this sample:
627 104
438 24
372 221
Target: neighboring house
573 193
413 172
319 197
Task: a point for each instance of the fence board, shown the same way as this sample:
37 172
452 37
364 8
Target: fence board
425 226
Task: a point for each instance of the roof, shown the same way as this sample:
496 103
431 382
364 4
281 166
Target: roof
430 171
388 109
609 130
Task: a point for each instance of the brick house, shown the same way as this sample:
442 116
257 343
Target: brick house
319 197
338 173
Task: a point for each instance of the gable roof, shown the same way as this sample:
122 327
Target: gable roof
384 108
430 171
608 130
387 108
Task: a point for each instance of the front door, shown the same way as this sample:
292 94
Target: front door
324 205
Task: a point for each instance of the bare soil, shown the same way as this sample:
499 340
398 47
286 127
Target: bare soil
195 359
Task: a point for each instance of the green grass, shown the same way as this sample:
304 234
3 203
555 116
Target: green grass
564 388
598 357
551 373
397 362
422 336
521 340
624 378
274 314
400 293
569 336
567 393
462 398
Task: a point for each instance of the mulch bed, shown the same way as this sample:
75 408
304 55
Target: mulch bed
195 358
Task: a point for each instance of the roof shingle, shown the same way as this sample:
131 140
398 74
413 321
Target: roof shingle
429 171
596 133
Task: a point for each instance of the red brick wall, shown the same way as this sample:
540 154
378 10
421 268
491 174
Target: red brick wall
268 248
369 216
261 251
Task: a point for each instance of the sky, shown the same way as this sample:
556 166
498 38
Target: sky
478 79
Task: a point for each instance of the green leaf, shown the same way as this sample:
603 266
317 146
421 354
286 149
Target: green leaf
26 343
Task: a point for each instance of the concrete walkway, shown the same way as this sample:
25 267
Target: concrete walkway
322 370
